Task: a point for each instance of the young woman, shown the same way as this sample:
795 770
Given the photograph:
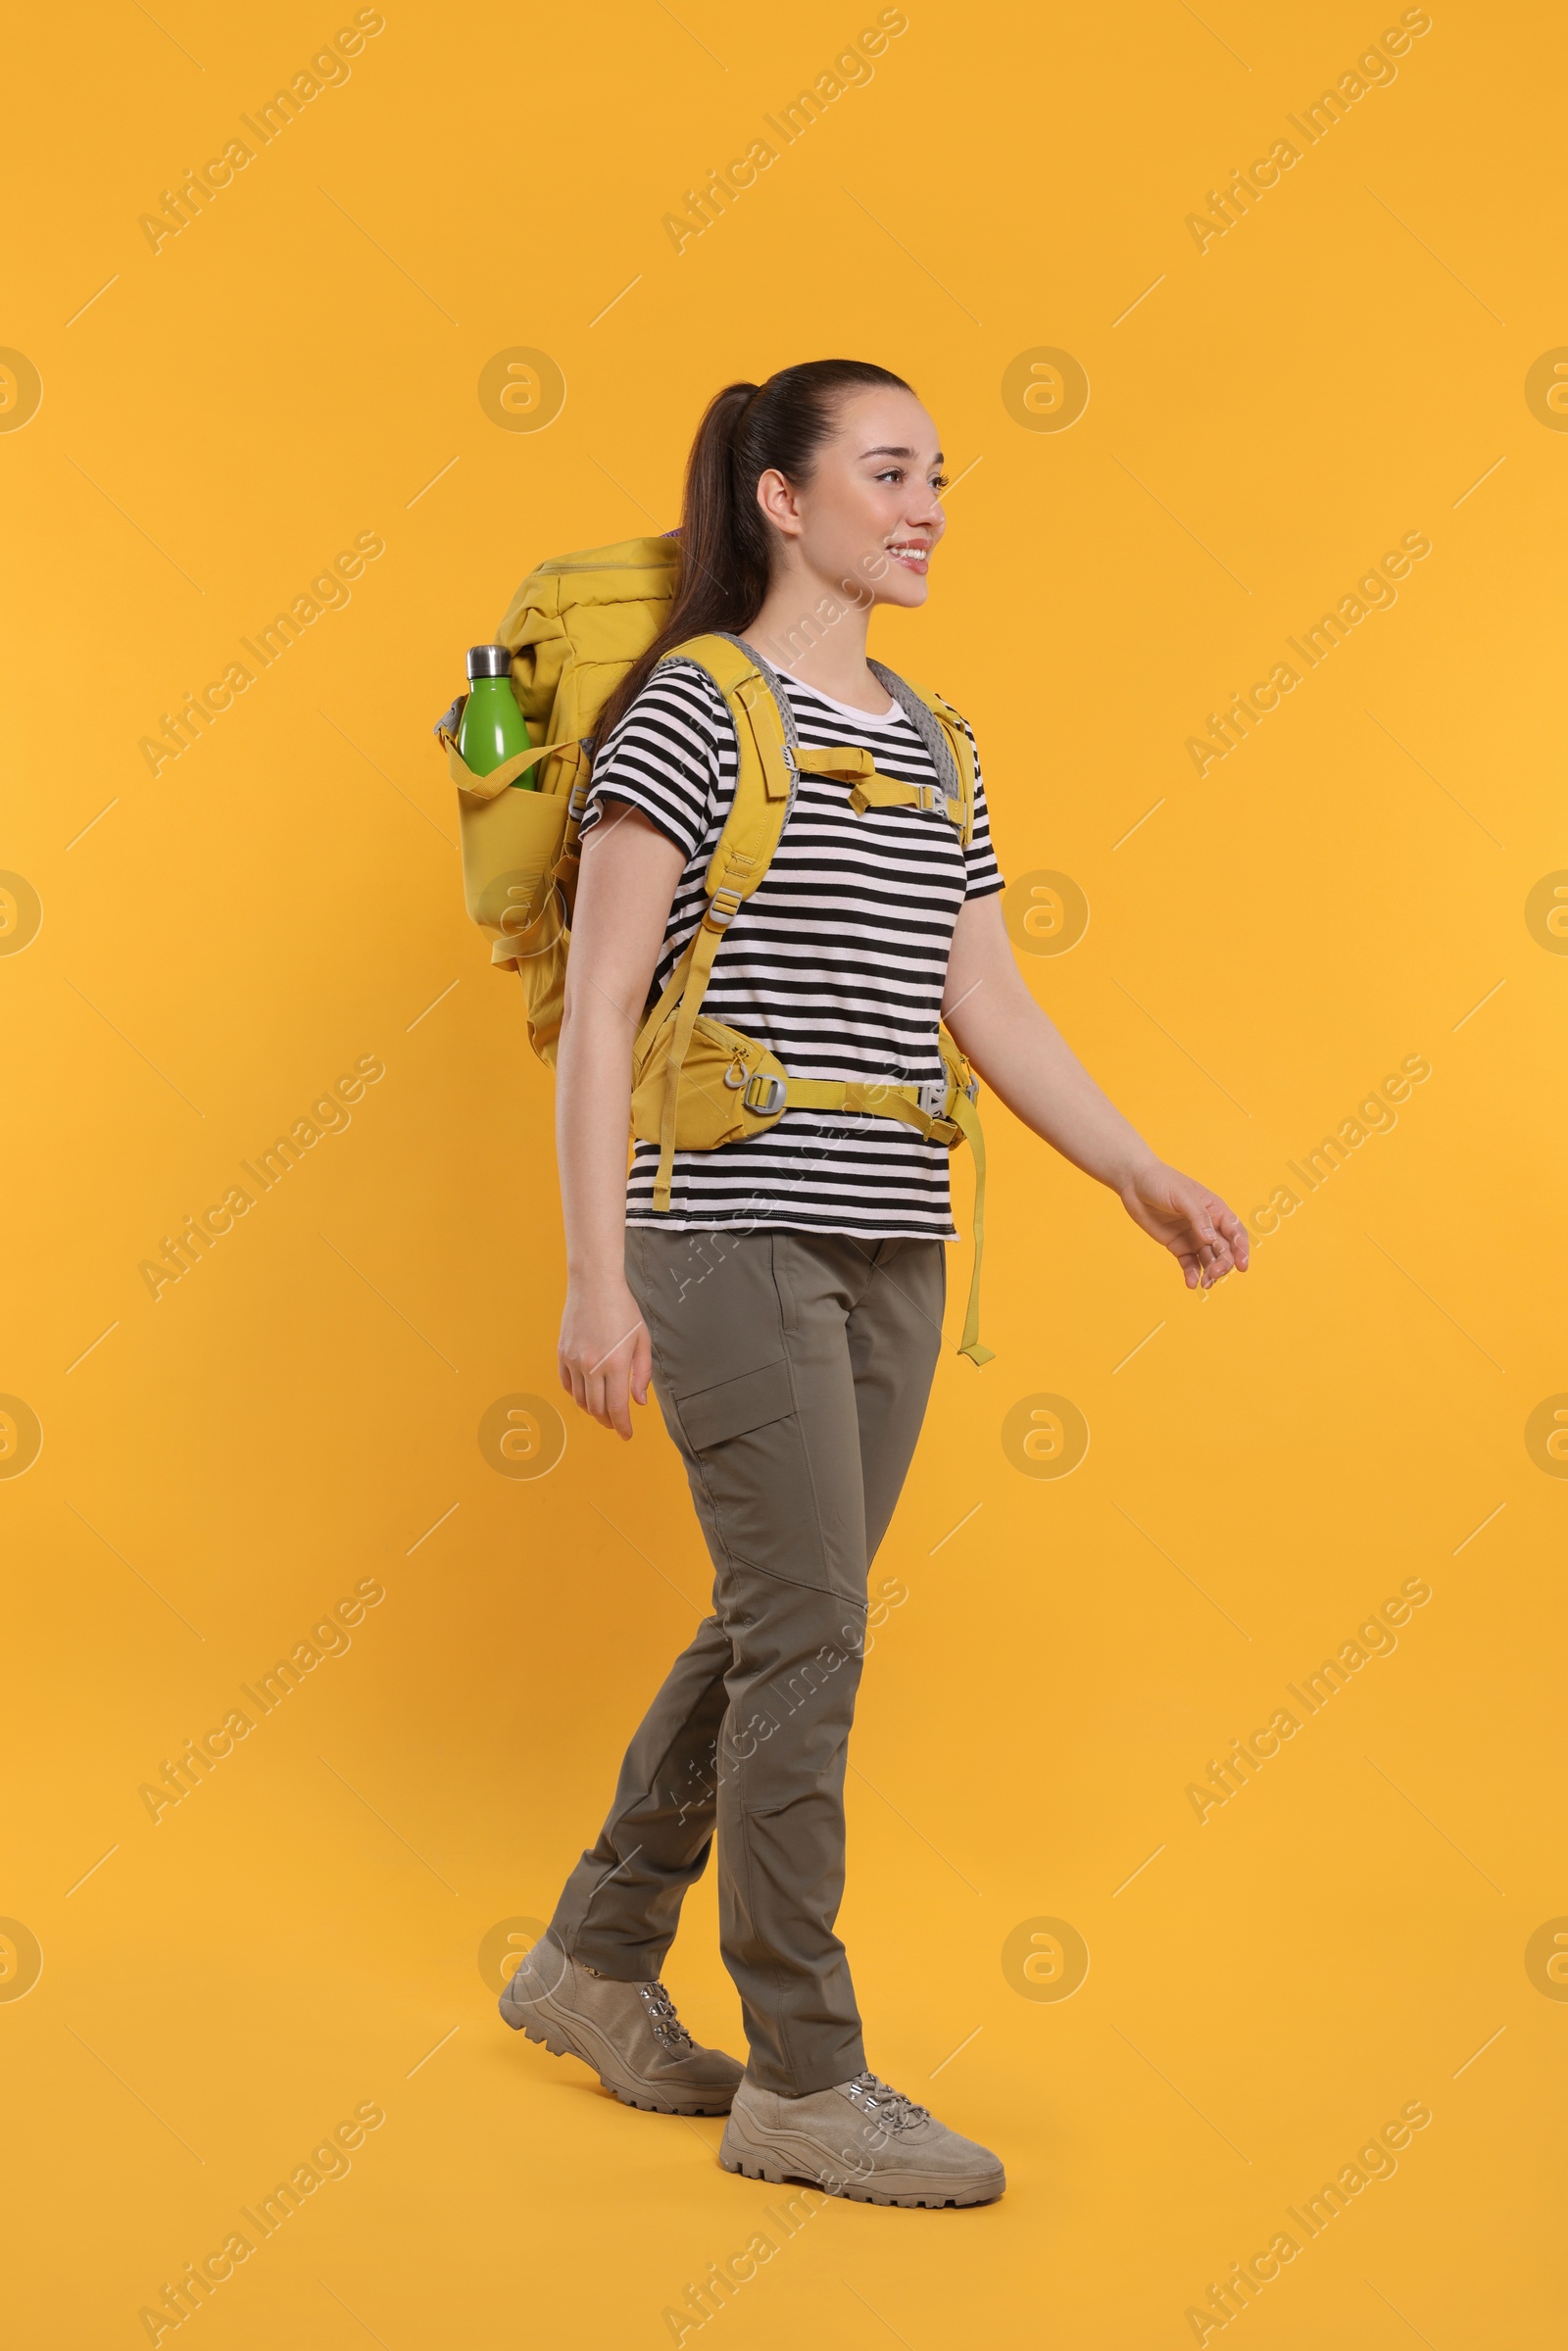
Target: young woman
790 1299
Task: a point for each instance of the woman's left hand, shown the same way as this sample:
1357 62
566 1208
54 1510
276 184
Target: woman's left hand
1204 1237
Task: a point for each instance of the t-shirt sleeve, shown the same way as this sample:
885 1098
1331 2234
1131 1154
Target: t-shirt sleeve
984 873
664 758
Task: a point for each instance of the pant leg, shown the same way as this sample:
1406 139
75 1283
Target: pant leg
620 1908
758 1343
895 1338
793 1372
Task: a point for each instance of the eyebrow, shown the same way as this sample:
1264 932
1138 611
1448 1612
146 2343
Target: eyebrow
891 452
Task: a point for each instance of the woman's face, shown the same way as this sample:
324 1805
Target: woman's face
869 517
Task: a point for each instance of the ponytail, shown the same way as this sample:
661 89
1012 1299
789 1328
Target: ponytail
726 547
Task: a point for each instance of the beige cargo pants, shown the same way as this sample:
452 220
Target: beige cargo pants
793 1371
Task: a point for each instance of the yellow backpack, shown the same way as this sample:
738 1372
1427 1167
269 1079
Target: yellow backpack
575 628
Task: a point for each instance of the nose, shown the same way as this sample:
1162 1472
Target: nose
925 511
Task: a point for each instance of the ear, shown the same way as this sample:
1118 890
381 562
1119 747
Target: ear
778 503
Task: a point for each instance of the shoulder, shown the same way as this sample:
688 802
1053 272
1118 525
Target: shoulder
673 754
679 696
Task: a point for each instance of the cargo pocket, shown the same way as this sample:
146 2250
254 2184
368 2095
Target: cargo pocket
747 1455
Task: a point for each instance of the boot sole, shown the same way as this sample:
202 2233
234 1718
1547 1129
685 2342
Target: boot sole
738 2154
552 2034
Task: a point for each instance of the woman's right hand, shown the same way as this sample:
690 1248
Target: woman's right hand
604 1355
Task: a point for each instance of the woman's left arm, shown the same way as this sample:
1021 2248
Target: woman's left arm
1023 1057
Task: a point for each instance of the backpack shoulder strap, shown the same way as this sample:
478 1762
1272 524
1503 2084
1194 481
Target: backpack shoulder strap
764 730
946 737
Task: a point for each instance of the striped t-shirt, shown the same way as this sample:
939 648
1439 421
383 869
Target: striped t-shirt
837 961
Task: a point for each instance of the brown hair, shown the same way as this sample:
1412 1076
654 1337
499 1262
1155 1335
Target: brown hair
724 542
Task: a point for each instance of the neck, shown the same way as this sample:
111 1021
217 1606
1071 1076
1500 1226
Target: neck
794 631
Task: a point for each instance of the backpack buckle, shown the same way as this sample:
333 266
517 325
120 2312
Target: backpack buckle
722 908
933 1095
764 1093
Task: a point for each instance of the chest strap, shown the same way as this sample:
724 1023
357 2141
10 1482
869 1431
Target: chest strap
848 764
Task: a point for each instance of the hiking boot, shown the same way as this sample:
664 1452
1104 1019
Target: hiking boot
860 2139
628 2033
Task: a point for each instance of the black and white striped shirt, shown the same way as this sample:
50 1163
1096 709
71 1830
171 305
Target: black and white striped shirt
836 962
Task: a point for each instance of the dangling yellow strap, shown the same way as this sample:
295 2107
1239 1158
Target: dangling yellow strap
704 947
968 1119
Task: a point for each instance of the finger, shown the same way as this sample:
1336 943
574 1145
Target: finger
642 1365
1236 1235
1201 1221
1222 1230
594 1395
1216 1228
617 1410
1210 1270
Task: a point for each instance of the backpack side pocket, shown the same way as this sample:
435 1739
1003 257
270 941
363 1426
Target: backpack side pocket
511 842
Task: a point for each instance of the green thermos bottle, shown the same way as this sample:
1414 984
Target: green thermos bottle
492 729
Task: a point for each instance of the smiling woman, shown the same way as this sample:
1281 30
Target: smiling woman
826 952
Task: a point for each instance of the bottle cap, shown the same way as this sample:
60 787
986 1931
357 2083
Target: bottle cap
489 661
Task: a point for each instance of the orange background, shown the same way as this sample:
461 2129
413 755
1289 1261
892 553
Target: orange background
301 1413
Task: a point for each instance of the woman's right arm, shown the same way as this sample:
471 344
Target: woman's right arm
625 886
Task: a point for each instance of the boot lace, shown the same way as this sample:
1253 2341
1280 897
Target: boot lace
666 2025
889 2108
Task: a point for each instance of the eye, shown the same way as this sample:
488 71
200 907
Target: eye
940 481
891 474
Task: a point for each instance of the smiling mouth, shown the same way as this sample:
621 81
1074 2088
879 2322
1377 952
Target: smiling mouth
912 555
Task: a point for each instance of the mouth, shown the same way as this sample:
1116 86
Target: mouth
913 553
